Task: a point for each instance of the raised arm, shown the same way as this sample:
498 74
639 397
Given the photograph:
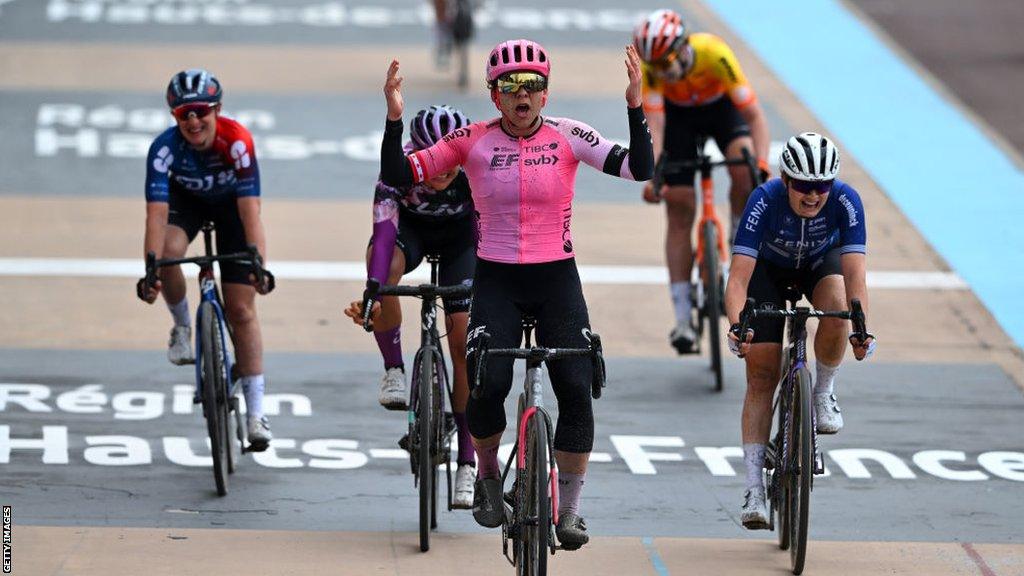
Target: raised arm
394 167
641 150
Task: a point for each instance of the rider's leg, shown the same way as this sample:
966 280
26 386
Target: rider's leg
740 184
171 277
680 204
179 347
563 322
240 307
762 377
494 312
829 346
830 340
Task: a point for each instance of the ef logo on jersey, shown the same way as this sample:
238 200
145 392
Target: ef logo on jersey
240 154
164 159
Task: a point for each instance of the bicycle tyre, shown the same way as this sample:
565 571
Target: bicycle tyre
713 300
803 471
439 431
424 413
213 385
783 467
537 528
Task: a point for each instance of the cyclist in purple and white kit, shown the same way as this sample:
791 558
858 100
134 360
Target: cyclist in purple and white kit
805 229
409 222
522 170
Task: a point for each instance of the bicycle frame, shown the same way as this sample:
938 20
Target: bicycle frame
532 407
791 468
433 425
209 293
430 343
708 212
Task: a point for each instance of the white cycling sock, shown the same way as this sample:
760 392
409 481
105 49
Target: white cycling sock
681 300
179 312
753 457
252 387
825 382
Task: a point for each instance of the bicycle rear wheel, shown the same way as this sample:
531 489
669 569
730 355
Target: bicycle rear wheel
214 395
536 525
713 299
803 470
425 428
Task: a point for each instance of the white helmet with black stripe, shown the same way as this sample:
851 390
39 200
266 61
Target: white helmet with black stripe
809 156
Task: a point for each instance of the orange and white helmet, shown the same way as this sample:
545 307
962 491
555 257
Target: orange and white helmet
661 33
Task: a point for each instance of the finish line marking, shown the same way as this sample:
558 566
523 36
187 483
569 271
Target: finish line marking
356 272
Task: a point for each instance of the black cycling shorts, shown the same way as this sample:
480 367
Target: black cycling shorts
685 126
551 293
453 240
189 214
769 284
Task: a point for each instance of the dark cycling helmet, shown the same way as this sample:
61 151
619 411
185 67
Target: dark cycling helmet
659 35
191 86
432 124
809 156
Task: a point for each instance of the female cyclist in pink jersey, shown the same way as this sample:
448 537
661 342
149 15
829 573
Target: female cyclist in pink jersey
522 172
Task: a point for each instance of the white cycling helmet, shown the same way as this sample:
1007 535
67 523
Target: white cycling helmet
809 156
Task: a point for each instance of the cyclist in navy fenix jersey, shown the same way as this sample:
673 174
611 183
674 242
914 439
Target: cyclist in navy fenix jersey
199 170
804 230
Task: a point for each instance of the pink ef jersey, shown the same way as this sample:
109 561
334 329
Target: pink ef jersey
522 187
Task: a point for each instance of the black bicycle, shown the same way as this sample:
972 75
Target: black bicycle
430 427
216 389
708 277
791 456
531 508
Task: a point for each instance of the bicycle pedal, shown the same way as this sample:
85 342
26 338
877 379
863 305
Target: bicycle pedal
819 464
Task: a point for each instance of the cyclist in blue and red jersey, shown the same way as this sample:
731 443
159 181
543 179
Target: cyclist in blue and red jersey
435 216
522 170
204 169
805 229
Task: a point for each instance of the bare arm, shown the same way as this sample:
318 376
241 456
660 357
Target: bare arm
740 271
156 228
755 117
854 266
249 213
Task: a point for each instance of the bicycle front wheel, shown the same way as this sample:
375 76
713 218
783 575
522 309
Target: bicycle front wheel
425 431
536 519
214 396
713 300
803 471
783 472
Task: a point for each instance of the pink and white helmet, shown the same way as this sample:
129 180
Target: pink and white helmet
514 55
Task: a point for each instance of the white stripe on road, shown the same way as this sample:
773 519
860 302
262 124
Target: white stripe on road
356 271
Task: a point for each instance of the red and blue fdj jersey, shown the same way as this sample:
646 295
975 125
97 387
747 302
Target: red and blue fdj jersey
224 172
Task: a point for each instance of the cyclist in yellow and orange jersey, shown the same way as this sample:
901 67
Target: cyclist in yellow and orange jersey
694 87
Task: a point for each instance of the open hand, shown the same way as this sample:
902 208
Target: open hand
633 92
393 92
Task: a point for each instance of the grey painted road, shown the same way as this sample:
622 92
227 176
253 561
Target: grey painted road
94 436
660 430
